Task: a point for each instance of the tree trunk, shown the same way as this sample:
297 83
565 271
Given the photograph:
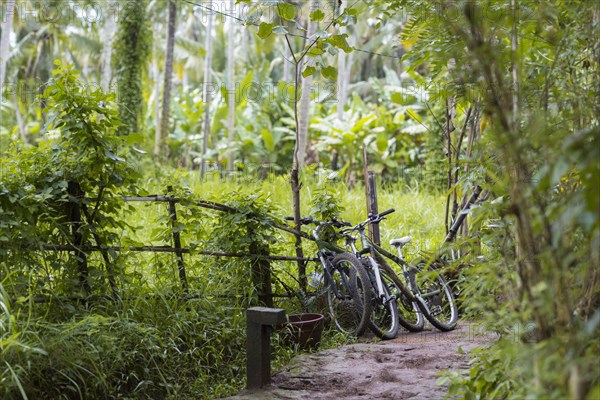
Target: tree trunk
206 88
156 76
231 91
131 50
344 67
110 27
287 65
20 123
448 129
168 79
303 114
7 24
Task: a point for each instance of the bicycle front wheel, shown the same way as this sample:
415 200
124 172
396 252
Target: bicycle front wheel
384 317
349 294
436 297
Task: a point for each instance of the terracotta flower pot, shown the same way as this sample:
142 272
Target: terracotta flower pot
304 330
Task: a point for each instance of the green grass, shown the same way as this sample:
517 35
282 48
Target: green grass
150 344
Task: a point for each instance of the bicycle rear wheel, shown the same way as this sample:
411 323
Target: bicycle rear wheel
409 313
436 298
384 317
349 294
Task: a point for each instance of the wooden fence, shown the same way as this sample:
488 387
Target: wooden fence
261 268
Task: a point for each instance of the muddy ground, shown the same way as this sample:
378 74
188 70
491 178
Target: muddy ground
404 368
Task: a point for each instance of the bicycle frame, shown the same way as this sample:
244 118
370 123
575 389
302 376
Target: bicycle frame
412 292
350 240
375 249
326 253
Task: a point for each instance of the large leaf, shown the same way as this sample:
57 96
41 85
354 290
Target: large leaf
286 11
308 71
340 42
264 30
268 139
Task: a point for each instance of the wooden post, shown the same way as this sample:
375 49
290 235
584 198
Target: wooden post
261 275
177 242
373 207
259 322
74 216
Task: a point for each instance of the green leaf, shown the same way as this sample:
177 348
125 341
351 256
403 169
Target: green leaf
414 116
264 30
308 71
291 90
286 11
316 50
317 16
268 139
340 42
329 72
397 98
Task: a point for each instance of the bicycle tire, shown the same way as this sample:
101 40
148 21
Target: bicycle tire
350 310
384 322
410 313
435 299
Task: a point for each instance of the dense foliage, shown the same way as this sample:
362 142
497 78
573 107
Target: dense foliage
443 95
132 46
532 68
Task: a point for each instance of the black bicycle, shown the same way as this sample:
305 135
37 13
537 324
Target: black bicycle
347 282
391 306
423 284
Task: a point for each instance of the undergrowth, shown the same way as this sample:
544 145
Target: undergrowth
151 343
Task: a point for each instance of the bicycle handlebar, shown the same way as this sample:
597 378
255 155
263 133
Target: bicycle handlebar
376 218
383 214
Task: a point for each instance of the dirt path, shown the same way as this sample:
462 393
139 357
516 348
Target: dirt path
403 368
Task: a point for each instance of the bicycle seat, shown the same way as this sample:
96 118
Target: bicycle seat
400 241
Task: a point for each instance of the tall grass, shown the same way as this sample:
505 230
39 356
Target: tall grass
152 343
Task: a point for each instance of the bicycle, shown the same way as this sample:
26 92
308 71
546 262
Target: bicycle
391 307
347 283
423 284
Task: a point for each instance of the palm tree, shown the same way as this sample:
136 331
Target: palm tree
131 49
303 116
7 24
231 91
110 27
168 79
206 88
344 67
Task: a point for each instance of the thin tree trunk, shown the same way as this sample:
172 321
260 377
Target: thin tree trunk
156 76
344 82
231 91
245 44
206 89
295 179
344 67
287 65
303 113
449 128
168 79
7 24
20 123
110 27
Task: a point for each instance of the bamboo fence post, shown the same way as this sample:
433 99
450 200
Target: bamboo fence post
177 242
74 217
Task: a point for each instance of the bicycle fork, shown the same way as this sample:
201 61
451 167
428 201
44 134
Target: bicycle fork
327 267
